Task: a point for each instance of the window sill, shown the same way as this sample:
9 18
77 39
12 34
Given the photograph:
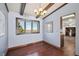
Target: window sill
28 33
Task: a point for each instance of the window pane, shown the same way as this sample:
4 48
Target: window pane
20 26
28 26
35 26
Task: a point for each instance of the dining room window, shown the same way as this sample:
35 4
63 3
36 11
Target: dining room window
27 26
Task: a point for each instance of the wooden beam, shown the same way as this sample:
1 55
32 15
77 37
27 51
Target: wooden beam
6 7
22 8
46 8
56 10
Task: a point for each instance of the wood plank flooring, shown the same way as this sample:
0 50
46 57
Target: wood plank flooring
69 46
36 49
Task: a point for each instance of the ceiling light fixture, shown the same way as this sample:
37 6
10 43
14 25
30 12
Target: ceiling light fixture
40 12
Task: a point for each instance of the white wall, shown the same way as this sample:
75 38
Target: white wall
4 38
54 38
16 40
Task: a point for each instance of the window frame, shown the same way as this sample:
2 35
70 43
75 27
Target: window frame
16 25
25 21
38 26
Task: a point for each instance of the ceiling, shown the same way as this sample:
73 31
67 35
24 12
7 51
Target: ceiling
29 8
14 7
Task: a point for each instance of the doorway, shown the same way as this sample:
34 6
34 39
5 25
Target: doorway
68 34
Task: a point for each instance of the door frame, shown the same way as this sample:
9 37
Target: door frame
61 23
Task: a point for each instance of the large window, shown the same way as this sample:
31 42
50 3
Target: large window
28 26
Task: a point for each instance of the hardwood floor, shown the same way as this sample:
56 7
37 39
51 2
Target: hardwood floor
69 46
36 49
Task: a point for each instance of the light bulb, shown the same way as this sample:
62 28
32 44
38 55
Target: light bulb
42 14
40 9
44 11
